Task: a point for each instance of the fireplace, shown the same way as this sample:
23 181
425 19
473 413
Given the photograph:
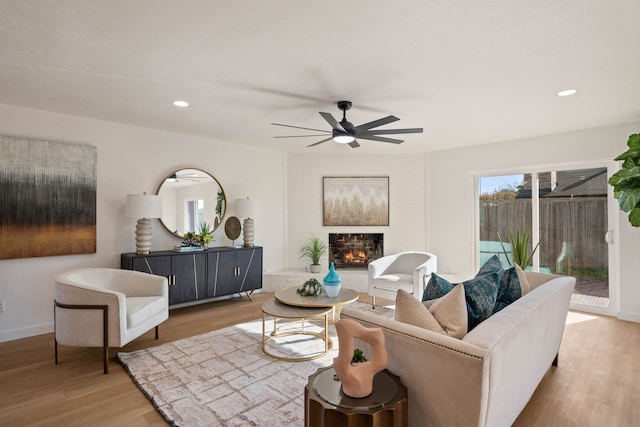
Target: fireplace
354 251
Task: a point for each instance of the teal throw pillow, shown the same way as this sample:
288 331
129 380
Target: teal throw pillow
481 293
509 288
493 265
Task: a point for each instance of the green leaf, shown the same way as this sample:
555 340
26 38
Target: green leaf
627 174
634 217
634 141
629 199
630 153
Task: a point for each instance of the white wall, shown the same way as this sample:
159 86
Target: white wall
133 160
407 199
451 196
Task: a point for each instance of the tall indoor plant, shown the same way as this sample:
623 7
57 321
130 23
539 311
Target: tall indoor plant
626 182
313 250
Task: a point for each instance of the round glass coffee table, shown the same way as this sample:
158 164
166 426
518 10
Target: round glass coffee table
290 296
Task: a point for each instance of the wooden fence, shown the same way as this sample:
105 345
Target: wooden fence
572 230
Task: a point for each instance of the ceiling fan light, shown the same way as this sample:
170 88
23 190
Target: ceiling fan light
344 138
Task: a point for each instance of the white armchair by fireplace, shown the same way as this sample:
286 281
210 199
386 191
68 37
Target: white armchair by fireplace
405 270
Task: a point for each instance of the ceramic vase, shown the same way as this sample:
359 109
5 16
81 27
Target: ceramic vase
332 282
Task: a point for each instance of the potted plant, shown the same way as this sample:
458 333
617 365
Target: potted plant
358 357
626 182
204 234
313 250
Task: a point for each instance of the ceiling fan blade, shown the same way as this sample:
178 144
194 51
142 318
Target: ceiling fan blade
390 131
298 127
320 142
381 139
332 121
376 123
296 136
354 144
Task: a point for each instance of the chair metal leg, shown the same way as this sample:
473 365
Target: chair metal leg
156 332
105 328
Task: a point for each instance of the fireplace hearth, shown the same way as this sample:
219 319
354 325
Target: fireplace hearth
354 251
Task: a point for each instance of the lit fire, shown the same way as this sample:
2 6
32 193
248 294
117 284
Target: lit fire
359 257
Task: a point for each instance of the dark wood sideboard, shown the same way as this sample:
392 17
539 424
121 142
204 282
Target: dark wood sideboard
198 276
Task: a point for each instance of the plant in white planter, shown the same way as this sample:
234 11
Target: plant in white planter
313 250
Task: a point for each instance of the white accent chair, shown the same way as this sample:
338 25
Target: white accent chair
106 307
404 270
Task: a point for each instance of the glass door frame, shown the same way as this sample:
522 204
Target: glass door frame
613 219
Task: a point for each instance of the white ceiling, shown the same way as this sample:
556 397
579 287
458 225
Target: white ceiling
468 72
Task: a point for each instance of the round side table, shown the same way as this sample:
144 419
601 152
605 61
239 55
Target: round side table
326 405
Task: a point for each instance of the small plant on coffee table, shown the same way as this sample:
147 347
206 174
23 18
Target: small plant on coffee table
310 288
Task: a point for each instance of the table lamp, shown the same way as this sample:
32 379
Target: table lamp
247 209
143 207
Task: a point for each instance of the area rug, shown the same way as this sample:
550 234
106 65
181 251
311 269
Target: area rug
222 378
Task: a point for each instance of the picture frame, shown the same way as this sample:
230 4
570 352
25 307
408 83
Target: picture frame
355 201
48 198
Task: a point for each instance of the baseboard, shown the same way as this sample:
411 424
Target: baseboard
631 317
17 334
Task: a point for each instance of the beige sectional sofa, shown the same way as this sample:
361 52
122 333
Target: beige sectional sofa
487 377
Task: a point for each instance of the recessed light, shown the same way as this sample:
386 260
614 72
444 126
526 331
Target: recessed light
181 104
567 92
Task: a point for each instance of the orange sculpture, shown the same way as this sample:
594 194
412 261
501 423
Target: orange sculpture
357 381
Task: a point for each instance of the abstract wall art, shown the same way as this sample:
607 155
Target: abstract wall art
47 198
355 201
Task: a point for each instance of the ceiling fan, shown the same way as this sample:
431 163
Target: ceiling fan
344 132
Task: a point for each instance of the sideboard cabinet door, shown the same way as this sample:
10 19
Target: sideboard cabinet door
236 270
186 272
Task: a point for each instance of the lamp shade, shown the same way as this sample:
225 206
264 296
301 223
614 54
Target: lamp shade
143 206
247 208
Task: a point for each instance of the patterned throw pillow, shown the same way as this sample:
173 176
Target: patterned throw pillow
481 293
509 288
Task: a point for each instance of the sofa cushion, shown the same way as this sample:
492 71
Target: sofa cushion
481 293
509 288
446 315
524 282
140 309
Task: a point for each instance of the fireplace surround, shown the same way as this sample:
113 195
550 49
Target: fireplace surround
354 251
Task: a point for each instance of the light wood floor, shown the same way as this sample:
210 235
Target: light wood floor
597 382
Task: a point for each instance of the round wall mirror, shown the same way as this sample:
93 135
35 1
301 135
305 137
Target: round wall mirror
191 197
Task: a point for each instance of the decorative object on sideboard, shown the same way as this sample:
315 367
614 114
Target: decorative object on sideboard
247 209
232 228
310 288
357 379
332 282
143 206
189 197
313 250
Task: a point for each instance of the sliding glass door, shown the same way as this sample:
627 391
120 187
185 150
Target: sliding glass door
564 215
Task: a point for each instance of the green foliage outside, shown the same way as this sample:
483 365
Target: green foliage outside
519 248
